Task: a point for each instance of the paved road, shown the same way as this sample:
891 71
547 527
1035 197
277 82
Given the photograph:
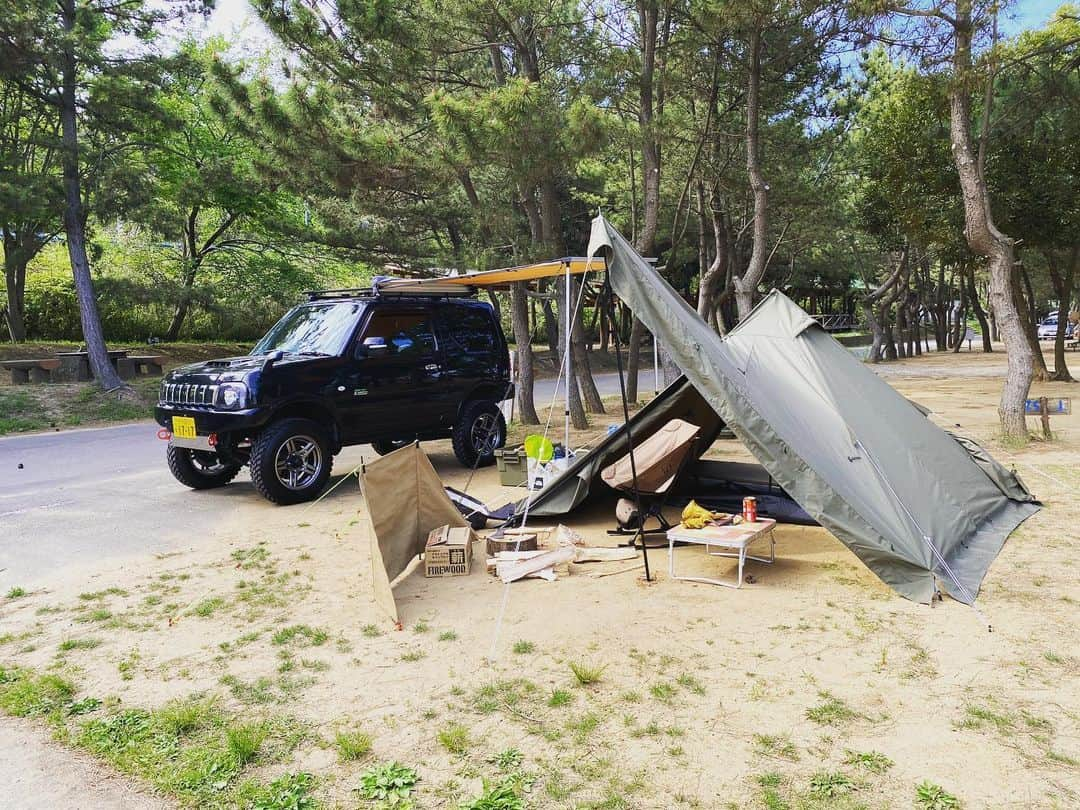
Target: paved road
73 497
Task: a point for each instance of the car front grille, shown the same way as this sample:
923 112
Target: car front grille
187 394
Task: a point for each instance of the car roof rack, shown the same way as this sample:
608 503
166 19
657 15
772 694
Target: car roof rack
408 291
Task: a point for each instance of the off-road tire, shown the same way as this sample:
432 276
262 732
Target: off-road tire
389 446
265 455
471 423
184 464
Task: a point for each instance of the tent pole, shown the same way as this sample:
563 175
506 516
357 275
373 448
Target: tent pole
655 366
626 422
567 361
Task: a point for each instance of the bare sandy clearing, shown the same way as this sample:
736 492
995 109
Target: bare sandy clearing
707 696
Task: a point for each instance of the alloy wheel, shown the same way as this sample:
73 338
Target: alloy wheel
298 462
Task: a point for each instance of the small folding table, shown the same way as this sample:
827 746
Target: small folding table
735 539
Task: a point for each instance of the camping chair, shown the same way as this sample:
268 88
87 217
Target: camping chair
659 460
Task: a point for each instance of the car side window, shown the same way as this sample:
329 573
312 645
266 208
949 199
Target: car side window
407 334
470 330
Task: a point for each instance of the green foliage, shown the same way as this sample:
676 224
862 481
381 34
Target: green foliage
301 634
454 738
873 761
831 785
499 796
586 674
26 694
390 783
524 647
832 711
289 792
16 593
929 796
352 745
244 741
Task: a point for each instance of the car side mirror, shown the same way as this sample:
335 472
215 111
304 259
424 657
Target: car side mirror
372 347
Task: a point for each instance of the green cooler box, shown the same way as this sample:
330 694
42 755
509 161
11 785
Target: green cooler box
513 466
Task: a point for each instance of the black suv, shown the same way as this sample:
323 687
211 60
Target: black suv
347 367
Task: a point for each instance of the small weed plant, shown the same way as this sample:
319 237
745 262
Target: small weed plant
352 745
390 783
929 796
586 674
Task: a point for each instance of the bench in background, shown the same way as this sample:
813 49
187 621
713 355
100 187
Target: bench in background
148 365
28 371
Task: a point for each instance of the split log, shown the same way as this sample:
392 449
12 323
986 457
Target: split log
511 570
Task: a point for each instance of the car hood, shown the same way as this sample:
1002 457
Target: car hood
233 369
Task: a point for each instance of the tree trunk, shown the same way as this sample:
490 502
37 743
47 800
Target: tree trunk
519 320
74 215
1025 305
746 285
15 278
1063 287
984 238
633 358
980 313
589 394
566 303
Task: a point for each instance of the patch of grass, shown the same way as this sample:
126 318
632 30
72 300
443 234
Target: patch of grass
586 674
663 691
301 634
873 761
448 635
69 644
979 717
95 615
289 792
207 607
507 760
26 694
929 796
421 626
828 785
93 596
523 647
559 697
391 784
454 738
688 681
777 746
499 796
370 631
413 656
1053 657
126 667
16 593
832 711
253 557
244 741
84 706
181 717
352 745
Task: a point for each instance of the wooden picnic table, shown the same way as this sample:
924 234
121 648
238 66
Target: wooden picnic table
75 366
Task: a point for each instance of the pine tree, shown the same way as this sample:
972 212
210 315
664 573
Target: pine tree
69 55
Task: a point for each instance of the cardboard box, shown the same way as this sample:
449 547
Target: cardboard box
448 552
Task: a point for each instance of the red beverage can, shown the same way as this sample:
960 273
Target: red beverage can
749 509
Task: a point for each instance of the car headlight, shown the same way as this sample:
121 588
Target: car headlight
232 396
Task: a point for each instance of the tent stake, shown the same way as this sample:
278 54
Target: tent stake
626 420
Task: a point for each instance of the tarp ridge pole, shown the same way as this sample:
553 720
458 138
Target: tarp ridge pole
626 420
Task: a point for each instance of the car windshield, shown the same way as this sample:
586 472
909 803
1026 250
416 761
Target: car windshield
313 329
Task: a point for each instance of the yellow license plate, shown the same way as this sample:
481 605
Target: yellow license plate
183 427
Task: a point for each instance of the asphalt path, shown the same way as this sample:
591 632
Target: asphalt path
75 497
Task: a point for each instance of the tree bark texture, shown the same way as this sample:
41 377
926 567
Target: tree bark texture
519 321
1063 288
983 236
980 313
747 284
74 215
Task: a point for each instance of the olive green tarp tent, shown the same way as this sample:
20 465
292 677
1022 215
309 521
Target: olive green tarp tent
916 504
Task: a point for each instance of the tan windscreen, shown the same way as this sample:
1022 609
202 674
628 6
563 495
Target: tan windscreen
405 500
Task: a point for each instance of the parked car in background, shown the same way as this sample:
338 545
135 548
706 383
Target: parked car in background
1047 329
347 367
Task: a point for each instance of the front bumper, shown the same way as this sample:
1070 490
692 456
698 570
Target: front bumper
208 421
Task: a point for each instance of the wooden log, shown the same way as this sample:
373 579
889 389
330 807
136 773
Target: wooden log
512 570
519 542
603 554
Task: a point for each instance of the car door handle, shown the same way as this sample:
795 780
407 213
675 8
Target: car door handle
431 367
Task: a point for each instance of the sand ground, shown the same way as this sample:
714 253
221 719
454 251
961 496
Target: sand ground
708 697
